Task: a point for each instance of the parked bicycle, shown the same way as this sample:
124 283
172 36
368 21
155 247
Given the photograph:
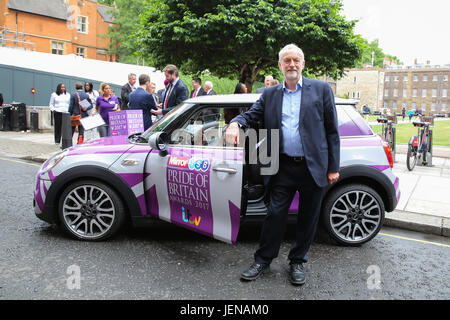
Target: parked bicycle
420 147
388 132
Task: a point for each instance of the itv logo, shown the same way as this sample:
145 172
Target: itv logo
189 218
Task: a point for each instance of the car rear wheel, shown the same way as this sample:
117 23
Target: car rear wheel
353 214
90 210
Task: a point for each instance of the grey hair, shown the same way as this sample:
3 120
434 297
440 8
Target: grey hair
209 84
130 75
290 48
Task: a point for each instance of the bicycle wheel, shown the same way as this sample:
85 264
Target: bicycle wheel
411 157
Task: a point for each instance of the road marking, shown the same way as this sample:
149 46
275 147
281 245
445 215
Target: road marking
21 162
416 240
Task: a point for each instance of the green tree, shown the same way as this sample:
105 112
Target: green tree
126 22
243 37
372 48
107 2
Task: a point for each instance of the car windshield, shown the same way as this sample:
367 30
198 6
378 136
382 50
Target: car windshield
164 121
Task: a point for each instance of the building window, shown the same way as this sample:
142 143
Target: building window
445 77
423 106
394 106
396 78
444 93
386 92
387 79
386 105
354 79
414 105
424 93
414 93
359 95
405 78
425 78
404 105
57 47
433 106
82 24
395 92
416 78
443 107
434 93
435 77
81 52
405 92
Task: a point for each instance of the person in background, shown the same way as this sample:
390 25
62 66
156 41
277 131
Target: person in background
267 81
240 88
209 88
152 90
175 94
142 99
1 99
59 103
76 99
410 114
403 112
274 82
105 104
161 92
89 89
127 89
198 90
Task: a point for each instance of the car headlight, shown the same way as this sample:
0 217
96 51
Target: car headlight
53 161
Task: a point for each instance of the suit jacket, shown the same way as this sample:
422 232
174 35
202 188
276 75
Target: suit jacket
201 92
178 94
260 90
141 99
318 125
126 90
211 93
74 110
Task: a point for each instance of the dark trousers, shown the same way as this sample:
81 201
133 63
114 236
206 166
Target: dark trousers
57 123
291 177
80 131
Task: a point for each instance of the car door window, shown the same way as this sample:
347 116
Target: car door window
206 127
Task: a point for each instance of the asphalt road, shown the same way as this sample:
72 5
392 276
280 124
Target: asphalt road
167 262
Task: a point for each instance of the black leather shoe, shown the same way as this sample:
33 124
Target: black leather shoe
254 271
297 274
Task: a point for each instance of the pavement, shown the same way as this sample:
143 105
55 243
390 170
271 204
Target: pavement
425 192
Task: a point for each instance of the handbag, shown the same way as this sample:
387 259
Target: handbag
75 120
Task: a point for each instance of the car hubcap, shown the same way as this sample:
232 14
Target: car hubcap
88 211
355 216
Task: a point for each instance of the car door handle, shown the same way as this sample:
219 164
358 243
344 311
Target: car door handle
226 170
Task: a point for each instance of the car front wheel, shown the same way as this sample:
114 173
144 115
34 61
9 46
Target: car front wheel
353 214
90 210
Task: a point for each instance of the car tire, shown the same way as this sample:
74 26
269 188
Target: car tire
353 214
90 210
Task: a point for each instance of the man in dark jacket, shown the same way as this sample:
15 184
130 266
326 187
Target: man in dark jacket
303 111
126 90
79 101
198 90
141 99
175 94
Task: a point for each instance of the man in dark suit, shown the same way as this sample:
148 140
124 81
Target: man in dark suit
141 99
309 154
198 90
209 88
126 90
77 100
175 94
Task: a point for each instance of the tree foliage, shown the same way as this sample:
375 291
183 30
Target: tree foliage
243 37
373 47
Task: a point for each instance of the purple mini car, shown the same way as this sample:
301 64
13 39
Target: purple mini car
181 171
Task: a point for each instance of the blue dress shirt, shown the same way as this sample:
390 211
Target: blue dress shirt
291 140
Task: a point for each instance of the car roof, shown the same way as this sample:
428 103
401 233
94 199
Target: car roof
247 99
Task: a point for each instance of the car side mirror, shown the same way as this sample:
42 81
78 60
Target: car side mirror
159 141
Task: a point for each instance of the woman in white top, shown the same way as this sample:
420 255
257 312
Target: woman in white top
93 94
59 103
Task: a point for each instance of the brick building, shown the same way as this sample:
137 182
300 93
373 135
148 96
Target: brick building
57 26
364 84
424 87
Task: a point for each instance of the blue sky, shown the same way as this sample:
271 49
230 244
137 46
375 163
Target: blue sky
407 29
